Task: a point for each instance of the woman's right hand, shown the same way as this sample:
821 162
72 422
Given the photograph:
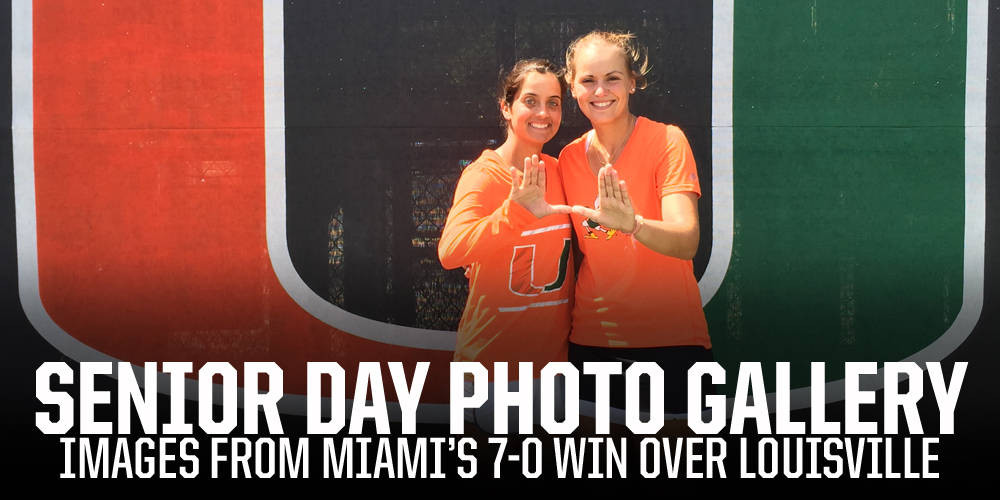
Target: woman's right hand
614 210
528 189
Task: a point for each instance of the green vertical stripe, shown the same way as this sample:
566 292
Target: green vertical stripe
848 182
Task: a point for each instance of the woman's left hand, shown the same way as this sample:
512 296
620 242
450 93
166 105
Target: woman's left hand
614 210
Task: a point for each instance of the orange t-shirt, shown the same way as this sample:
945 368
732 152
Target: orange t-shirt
626 294
519 267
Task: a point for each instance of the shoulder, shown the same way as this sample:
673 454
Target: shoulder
648 126
653 129
488 167
485 177
660 136
487 160
575 149
675 135
550 162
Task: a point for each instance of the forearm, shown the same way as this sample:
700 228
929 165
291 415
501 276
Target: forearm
468 234
676 233
678 239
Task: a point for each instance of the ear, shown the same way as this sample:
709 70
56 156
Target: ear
505 111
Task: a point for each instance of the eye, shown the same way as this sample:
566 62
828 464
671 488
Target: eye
554 104
587 80
614 78
529 101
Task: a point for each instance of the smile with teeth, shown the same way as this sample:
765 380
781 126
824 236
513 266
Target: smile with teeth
541 126
602 105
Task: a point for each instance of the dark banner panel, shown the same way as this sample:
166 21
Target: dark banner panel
387 102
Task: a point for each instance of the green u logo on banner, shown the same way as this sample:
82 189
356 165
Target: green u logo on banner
858 161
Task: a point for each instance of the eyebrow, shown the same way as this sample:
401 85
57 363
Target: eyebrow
532 94
588 75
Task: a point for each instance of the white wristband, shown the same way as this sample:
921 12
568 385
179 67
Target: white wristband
638 225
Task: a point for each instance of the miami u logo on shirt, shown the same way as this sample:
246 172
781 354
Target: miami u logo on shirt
522 271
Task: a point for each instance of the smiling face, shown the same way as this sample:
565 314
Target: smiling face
602 82
535 113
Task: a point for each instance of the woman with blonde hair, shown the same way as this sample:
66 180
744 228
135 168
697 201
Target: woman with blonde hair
634 189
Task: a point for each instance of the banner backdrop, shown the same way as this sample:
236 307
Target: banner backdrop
266 181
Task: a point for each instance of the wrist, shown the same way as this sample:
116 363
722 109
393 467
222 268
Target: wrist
518 214
637 224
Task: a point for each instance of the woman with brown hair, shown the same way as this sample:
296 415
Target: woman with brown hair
514 245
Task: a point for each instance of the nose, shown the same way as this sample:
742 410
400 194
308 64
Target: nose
599 90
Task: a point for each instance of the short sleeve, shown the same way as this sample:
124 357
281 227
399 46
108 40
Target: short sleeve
677 171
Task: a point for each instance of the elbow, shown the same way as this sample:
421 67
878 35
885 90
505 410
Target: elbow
689 245
445 256
688 253
449 256
681 244
449 263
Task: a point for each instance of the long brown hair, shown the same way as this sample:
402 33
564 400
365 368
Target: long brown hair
510 83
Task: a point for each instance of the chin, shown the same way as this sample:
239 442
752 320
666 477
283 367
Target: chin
604 118
535 139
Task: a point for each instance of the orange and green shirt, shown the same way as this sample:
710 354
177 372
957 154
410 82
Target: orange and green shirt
519 268
626 294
